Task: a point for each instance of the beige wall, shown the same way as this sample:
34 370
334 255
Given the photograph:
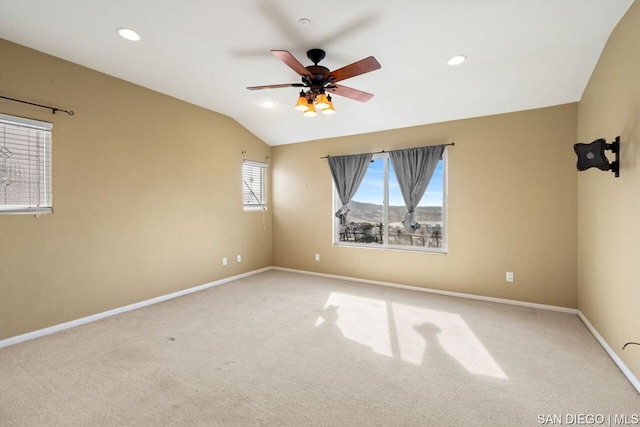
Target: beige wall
146 192
609 208
512 206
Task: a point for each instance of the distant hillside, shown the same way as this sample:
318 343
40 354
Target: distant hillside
369 212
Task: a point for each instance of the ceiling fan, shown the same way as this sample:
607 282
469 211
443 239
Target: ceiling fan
319 80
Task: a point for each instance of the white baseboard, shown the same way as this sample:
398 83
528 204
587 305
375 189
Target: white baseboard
73 323
437 291
634 381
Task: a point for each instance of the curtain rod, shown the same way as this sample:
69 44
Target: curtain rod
53 109
383 151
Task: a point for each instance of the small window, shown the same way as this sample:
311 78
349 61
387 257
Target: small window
253 185
25 165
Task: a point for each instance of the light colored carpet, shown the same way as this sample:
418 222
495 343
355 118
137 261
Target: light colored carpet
286 349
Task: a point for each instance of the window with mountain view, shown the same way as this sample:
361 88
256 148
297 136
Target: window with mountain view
377 211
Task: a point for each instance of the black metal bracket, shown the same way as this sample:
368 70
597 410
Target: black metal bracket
53 109
592 155
615 149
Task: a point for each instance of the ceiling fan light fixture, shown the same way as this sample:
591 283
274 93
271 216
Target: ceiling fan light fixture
302 104
322 102
329 109
311 112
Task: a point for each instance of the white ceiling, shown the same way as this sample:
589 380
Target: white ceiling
522 54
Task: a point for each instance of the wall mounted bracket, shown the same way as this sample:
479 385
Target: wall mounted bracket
592 155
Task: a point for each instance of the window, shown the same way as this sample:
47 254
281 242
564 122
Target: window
25 165
253 185
377 211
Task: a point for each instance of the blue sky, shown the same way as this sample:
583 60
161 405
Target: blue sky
371 188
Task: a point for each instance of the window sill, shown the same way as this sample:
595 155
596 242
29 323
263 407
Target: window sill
24 210
254 208
379 247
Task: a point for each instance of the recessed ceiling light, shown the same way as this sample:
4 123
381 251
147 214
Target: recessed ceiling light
267 103
456 60
128 34
304 22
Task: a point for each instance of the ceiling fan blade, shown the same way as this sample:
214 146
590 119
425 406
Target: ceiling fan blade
291 61
348 92
363 66
275 86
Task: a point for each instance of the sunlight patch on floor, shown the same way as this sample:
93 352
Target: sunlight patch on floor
409 333
363 320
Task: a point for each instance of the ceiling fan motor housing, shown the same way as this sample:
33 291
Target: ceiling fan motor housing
317 72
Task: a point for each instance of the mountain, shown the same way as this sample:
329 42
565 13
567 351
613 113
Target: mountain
369 212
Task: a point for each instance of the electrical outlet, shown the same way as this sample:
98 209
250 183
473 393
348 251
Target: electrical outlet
239 258
224 261
317 257
509 277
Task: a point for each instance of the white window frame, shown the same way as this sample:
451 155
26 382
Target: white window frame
385 237
253 200
30 160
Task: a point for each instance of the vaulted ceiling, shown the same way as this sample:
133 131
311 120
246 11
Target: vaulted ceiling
521 54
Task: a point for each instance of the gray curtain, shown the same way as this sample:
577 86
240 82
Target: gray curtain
347 172
414 168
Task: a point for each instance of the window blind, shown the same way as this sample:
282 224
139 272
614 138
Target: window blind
253 185
25 165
